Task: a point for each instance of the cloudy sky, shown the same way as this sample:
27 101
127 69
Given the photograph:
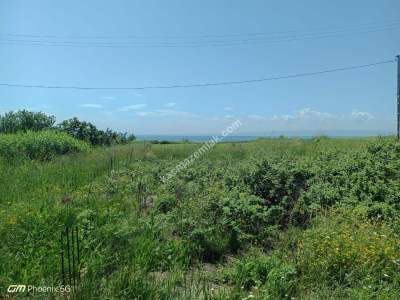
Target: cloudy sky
153 43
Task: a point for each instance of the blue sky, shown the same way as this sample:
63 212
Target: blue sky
354 100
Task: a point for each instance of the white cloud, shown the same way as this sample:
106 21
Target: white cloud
362 115
304 114
132 107
108 98
228 108
143 113
308 113
170 104
255 117
91 105
165 112
228 116
282 117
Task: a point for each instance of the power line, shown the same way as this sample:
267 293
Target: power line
185 44
221 83
189 44
354 26
196 43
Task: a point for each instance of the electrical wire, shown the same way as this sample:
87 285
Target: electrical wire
243 40
206 84
388 23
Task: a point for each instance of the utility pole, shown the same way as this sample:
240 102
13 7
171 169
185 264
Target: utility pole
398 97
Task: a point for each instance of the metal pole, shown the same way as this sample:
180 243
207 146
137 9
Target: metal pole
69 257
398 97
79 257
73 255
62 257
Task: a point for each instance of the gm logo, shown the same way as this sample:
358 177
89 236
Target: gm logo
16 288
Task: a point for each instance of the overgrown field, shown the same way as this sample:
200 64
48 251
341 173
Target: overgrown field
270 219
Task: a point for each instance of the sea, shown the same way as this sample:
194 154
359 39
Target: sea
195 138
244 138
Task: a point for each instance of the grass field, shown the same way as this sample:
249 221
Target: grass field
269 219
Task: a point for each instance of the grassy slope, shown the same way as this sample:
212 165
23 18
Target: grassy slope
172 250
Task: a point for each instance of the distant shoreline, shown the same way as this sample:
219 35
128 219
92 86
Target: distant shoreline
244 138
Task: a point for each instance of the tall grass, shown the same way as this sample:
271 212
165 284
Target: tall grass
245 220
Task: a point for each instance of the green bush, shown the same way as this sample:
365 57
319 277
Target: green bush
249 218
280 183
24 120
298 188
89 133
41 145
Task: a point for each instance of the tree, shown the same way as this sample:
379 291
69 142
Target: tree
24 120
86 131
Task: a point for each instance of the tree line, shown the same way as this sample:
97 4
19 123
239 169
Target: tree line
24 120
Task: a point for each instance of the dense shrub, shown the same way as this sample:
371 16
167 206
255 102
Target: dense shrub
280 184
24 120
87 132
298 189
39 145
249 219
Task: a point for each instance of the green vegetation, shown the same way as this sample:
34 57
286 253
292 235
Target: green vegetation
23 121
269 219
87 132
42 145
